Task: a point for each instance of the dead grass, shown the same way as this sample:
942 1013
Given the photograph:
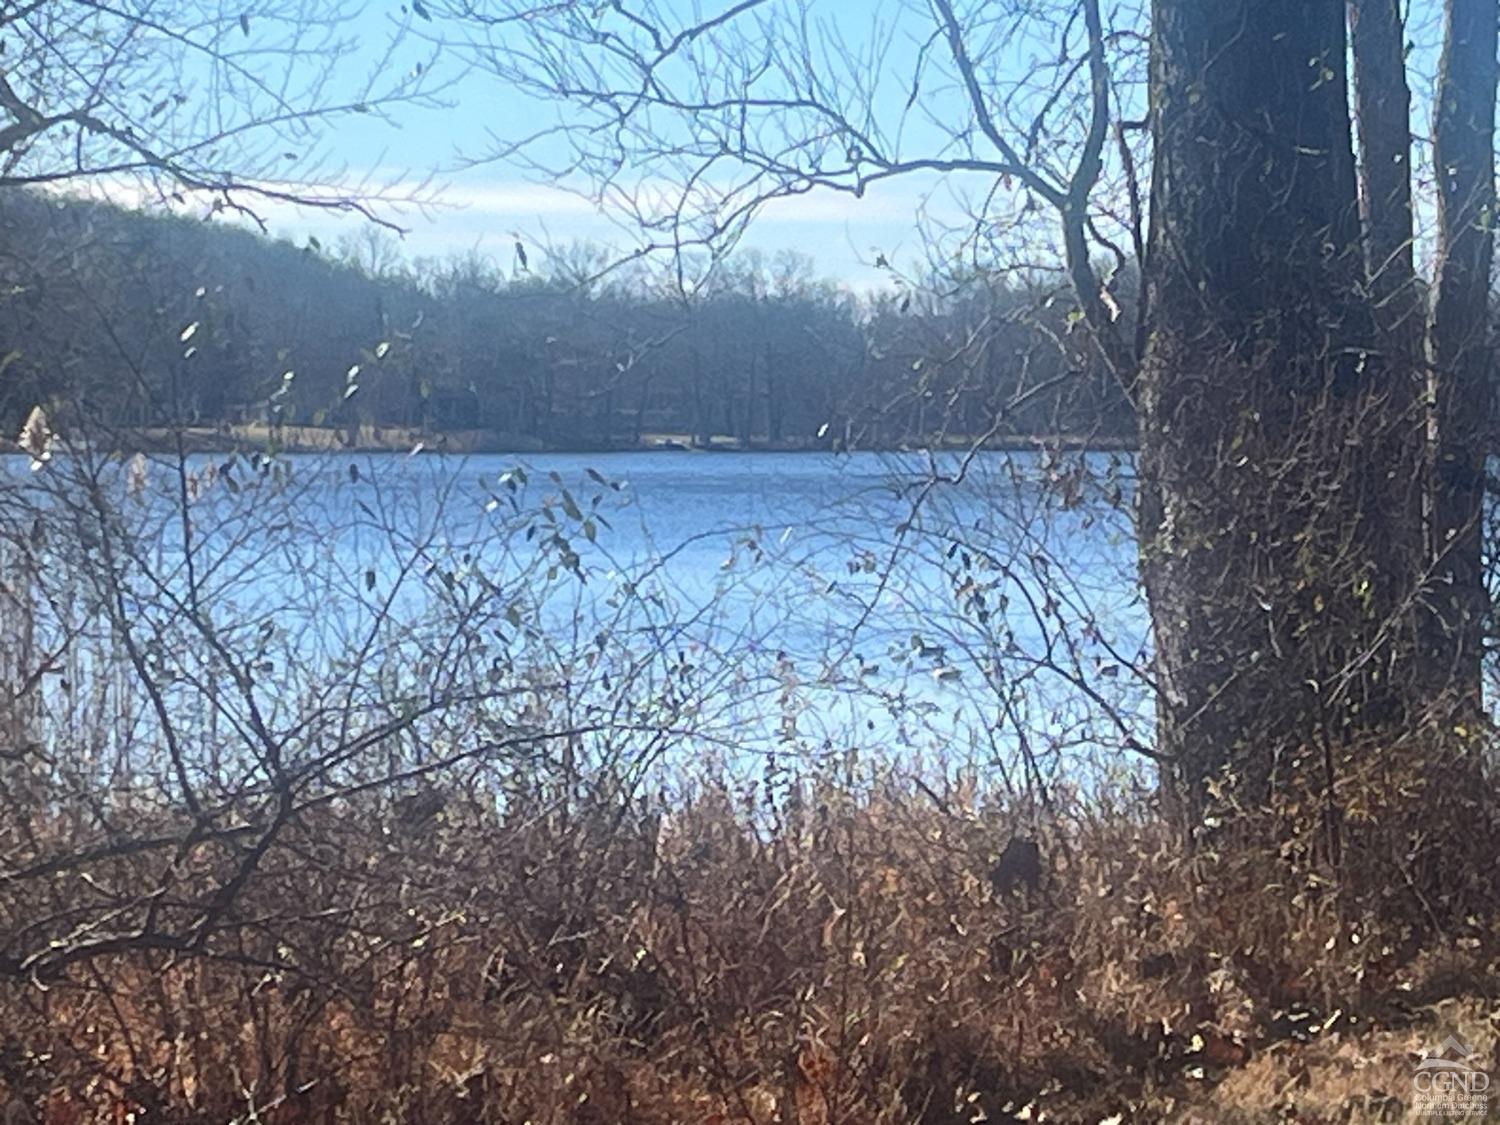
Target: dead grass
821 956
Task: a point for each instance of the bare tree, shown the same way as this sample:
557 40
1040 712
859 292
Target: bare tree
160 100
1273 363
1383 114
146 104
1459 337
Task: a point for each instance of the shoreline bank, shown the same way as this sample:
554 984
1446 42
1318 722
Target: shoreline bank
396 439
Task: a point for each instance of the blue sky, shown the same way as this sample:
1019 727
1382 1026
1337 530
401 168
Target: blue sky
478 208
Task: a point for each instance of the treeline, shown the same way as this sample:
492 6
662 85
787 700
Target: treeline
151 320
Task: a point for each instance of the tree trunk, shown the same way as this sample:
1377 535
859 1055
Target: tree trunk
1458 340
1383 105
1277 566
1382 101
702 427
774 427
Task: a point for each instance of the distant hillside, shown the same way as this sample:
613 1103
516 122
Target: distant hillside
151 320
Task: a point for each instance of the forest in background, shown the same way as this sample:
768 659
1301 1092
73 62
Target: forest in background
154 320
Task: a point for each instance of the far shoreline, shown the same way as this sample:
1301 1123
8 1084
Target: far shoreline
128 441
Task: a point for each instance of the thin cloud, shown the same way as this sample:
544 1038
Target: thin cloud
480 215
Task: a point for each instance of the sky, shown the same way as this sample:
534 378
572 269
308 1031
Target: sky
481 208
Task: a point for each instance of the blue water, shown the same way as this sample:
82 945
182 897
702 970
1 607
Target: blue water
980 610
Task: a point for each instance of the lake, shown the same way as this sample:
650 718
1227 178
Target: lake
979 609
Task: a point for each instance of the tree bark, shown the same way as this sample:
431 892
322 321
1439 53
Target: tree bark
1277 566
1382 99
1458 340
1383 107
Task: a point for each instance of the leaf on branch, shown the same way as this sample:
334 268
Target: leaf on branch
245 23
36 438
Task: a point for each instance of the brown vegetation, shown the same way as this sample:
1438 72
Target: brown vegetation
817 952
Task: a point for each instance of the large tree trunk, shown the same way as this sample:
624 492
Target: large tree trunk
1278 563
1382 99
1383 105
1458 340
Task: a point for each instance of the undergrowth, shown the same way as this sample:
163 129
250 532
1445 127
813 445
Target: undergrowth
896 952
